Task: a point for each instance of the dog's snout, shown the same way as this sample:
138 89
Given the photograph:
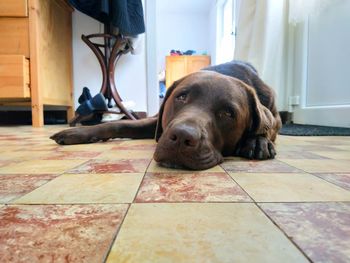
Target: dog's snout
184 135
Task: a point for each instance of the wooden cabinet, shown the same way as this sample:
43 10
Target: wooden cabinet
14 76
14 36
180 66
36 55
14 8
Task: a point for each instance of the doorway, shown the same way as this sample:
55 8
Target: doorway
324 90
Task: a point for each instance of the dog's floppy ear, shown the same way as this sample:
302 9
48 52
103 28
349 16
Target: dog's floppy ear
159 128
262 118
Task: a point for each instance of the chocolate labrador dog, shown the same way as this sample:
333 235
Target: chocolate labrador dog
220 111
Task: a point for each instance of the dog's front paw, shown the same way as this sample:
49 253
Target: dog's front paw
259 148
75 136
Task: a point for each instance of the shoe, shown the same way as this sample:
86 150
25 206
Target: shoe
93 119
86 95
97 103
189 52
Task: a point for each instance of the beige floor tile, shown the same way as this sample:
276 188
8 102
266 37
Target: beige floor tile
320 166
190 187
9 148
112 166
86 188
45 147
201 233
339 155
106 146
23 155
126 154
329 140
323 138
154 167
299 154
12 143
342 147
120 145
258 166
290 140
138 142
306 147
70 155
41 167
342 180
289 187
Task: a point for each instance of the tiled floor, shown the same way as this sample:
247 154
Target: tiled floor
109 202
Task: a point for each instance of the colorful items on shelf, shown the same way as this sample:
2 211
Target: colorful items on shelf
189 52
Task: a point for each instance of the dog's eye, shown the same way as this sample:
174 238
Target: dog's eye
225 114
182 97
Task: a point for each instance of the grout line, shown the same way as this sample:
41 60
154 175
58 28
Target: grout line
285 234
343 187
185 202
14 199
58 175
315 174
272 221
65 204
294 166
115 236
302 202
75 167
228 173
143 177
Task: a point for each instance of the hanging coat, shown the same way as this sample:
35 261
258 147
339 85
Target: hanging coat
126 15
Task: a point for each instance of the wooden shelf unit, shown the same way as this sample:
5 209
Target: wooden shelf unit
36 55
180 66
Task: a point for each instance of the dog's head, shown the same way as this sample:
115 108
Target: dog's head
203 117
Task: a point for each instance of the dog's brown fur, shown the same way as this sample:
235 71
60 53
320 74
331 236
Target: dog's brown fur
223 110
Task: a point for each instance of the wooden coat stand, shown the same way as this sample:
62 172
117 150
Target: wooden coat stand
114 47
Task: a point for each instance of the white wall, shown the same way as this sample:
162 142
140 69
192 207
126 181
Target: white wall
181 31
130 70
188 28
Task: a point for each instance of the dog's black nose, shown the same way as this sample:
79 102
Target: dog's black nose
184 135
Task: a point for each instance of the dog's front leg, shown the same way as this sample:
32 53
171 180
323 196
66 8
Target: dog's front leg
134 129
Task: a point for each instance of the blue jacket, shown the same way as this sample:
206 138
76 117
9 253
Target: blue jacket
127 15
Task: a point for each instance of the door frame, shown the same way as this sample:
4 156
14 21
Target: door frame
152 94
333 115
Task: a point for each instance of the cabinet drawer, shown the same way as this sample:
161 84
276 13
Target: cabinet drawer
14 36
180 66
14 77
14 8
175 69
196 63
